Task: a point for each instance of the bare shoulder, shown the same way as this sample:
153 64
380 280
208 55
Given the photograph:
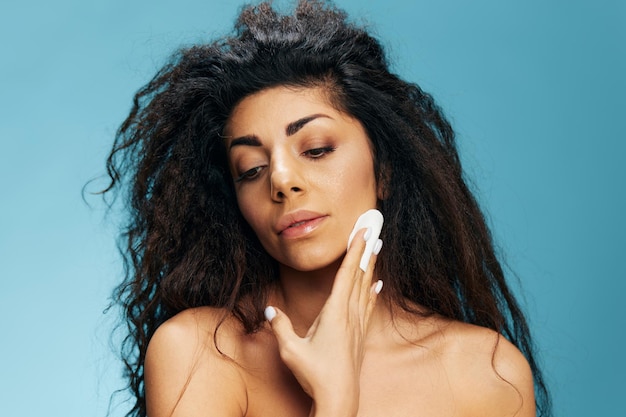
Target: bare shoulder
188 372
489 374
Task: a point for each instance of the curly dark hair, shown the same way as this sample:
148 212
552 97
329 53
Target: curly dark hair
186 244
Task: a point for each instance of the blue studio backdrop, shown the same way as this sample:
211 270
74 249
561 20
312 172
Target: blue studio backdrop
534 89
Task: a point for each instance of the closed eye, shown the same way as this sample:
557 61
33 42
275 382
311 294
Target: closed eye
319 152
249 174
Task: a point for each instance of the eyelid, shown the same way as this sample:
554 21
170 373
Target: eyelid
325 150
246 162
246 174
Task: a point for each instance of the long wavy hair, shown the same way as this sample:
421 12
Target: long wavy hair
186 244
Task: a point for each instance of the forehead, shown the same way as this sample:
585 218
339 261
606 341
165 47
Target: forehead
280 106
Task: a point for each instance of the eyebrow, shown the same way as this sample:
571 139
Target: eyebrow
294 127
251 140
291 129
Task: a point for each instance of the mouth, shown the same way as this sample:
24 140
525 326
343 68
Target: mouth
299 223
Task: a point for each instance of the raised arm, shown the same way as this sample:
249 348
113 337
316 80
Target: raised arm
327 361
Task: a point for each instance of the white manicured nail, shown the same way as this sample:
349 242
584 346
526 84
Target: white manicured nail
270 313
377 247
378 287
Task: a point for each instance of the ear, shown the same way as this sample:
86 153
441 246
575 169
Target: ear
382 187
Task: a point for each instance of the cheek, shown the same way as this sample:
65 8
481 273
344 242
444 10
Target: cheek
356 179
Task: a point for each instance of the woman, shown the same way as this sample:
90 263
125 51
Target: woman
249 161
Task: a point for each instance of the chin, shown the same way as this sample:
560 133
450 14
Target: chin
313 263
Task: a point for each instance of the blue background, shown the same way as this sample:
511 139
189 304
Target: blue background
535 89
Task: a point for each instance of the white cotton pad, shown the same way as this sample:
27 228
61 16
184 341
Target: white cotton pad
374 220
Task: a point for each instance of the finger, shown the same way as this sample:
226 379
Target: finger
365 287
365 294
349 272
377 246
283 330
375 289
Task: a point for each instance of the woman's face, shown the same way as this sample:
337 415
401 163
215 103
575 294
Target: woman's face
303 173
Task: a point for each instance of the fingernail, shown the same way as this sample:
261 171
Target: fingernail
378 287
270 313
368 233
377 247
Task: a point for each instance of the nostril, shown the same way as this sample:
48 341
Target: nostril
282 195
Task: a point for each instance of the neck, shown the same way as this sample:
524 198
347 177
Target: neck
302 295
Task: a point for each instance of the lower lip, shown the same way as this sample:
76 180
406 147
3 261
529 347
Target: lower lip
303 229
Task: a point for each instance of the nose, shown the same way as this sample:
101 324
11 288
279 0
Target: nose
286 178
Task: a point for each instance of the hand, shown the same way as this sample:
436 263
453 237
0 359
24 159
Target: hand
327 361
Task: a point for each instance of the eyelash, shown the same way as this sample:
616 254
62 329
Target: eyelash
315 153
249 174
324 150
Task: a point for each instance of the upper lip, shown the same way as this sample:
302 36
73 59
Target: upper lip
289 219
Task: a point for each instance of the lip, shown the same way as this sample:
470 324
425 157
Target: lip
298 223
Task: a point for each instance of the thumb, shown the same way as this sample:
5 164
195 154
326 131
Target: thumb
281 325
